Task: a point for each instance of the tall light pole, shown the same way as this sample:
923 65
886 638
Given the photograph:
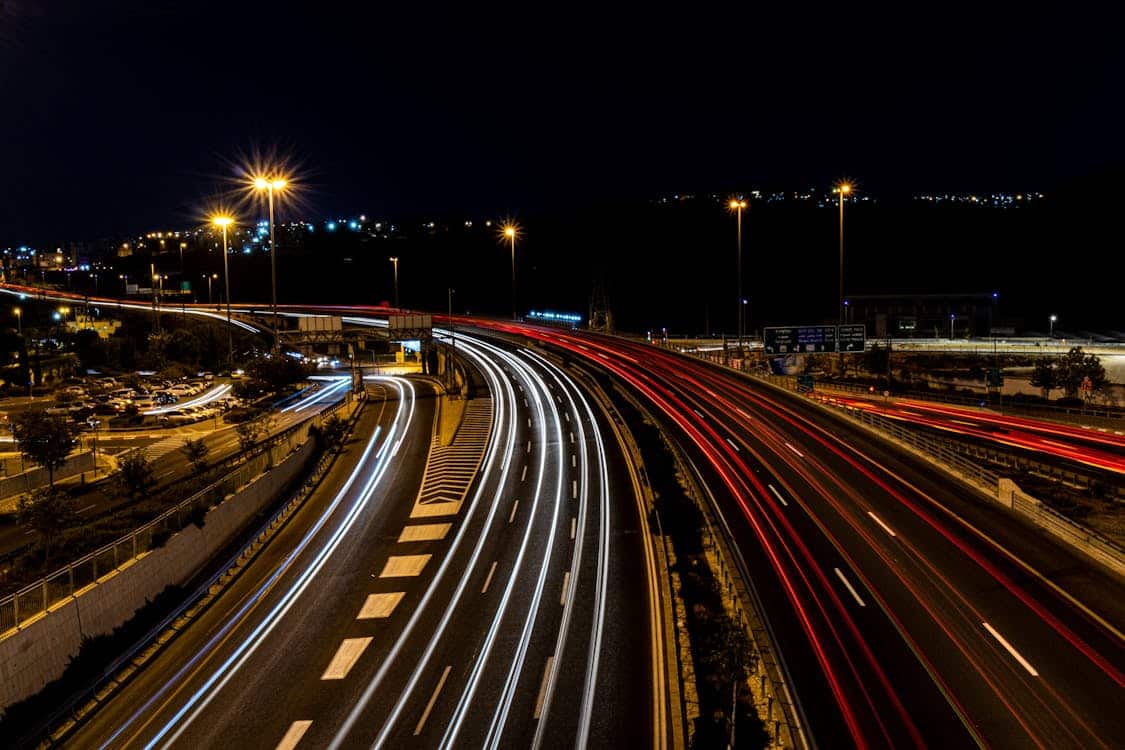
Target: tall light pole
223 222
271 186
736 205
510 234
394 260
843 189
1052 320
124 278
19 320
209 277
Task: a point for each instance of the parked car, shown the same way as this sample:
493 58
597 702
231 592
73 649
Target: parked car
178 416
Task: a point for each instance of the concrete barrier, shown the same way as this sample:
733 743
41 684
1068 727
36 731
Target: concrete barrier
39 652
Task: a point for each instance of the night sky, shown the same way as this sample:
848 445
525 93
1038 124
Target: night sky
120 116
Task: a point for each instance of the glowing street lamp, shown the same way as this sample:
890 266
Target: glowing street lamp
843 189
394 260
223 222
209 277
510 231
737 205
1052 320
19 320
271 186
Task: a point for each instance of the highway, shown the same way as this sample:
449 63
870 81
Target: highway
909 611
483 592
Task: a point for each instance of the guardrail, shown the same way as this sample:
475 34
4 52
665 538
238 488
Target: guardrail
40 596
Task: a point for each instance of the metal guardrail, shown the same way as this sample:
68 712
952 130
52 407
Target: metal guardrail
40 596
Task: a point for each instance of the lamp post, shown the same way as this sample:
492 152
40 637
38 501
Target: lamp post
394 260
736 205
125 280
271 186
1052 320
951 318
223 222
510 235
19 320
843 189
209 277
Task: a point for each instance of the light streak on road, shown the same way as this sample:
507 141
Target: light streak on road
216 393
336 386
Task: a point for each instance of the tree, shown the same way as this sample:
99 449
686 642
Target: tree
134 475
1076 366
252 430
1044 376
44 438
195 451
48 511
332 432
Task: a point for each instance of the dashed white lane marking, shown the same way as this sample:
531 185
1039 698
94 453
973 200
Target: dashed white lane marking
849 585
567 417
879 521
697 411
574 488
433 700
345 658
543 687
527 405
742 413
572 437
529 446
88 507
424 532
573 462
523 474
790 447
294 734
404 566
380 605
778 495
515 505
529 421
573 526
734 445
488 580
1007 646
566 583
967 424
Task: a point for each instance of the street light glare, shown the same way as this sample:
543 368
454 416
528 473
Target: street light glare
279 184
845 188
509 231
261 183
222 221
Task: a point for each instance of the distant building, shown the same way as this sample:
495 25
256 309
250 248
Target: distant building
924 315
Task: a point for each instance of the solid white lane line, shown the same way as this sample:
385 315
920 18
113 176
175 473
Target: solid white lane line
515 505
294 734
1008 647
433 700
424 532
879 521
488 580
543 686
734 445
777 495
790 447
523 474
573 526
849 585
346 657
566 582
404 566
573 488
380 605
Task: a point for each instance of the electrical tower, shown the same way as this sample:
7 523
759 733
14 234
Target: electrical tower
601 317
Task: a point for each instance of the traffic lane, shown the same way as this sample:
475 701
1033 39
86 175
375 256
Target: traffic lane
253 710
961 596
164 672
505 626
875 672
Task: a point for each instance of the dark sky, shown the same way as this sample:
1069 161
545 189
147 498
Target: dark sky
121 116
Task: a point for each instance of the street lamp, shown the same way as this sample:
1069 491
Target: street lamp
843 189
19 320
1052 320
394 259
209 277
124 278
223 222
737 205
951 318
510 231
271 186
